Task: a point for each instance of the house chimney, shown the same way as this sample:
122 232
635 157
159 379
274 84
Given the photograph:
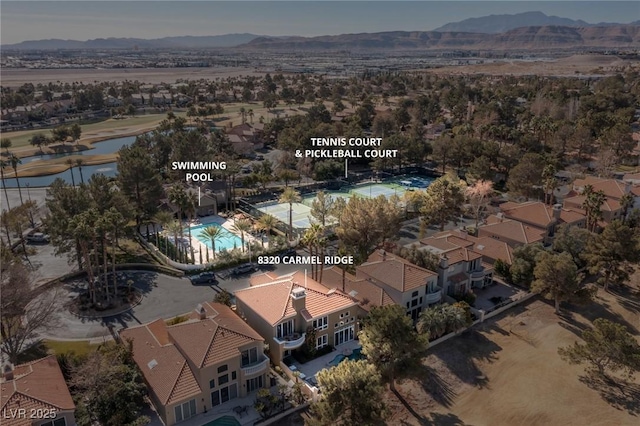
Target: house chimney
444 262
557 210
627 187
298 298
7 371
500 216
202 314
384 255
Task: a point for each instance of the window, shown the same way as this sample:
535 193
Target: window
249 356
233 375
414 294
222 368
223 379
212 384
344 335
285 329
414 302
421 300
321 323
185 410
57 422
225 394
254 384
322 341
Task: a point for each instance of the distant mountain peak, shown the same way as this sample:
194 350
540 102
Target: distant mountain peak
494 24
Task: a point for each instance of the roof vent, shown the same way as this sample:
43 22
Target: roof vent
7 371
202 313
298 293
353 293
152 364
480 247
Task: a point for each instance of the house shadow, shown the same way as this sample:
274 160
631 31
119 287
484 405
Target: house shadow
463 353
621 395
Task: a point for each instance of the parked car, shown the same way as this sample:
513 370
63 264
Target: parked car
204 278
288 252
37 237
244 269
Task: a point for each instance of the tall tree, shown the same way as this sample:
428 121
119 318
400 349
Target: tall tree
139 180
390 342
572 240
267 223
321 207
612 253
607 347
23 316
14 160
592 206
352 396
478 198
443 201
79 164
557 278
4 164
290 196
241 226
5 143
526 175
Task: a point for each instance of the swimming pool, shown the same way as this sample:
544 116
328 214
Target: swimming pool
223 421
227 241
355 355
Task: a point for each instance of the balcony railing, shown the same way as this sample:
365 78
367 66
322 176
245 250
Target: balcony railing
290 342
256 367
478 273
434 296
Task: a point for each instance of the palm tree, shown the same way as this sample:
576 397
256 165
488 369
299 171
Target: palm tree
241 226
310 239
79 164
14 161
592 205
116 221
290 196
69 162
267 223
83 230
177 197
162 218
626 203
432 321
251 114
6 144
4 164
213 233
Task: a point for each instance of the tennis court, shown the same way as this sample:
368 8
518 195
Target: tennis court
376 189
300 214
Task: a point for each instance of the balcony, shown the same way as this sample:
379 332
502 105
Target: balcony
293 341
255 367
434 296
477 274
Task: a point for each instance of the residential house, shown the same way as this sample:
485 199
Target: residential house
246 138
511 232
613 190
406 284
137 99
37 387
201 364
364 291
461 268
282 309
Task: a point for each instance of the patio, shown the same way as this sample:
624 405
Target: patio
488 297
308 370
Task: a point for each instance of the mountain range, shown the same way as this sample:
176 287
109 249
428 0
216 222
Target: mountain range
519 31
493 24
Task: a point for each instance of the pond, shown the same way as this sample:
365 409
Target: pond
105 147
107 169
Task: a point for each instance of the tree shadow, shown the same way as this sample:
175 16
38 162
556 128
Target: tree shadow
600 309
463 353
435 386
421 419
621 395
34 352
627 297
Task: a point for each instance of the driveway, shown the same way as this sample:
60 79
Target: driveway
164 296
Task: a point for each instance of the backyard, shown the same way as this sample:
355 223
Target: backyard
507 371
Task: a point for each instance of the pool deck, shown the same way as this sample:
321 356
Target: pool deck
224 223
312 367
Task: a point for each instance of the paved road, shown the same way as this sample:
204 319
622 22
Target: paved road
163 297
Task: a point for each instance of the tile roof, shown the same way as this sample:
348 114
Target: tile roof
512 230
38 385
612 188
396 273
272 300
214 339
609 204
164 368
365 292
489 248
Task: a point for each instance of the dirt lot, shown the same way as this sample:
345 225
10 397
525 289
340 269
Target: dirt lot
572 66
17 77
507 372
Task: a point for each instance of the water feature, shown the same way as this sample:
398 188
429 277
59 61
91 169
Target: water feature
105 147
107 169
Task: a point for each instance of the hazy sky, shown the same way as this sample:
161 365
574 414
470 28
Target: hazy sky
82 20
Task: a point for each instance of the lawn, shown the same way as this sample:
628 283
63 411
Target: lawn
81 347
129 251
507 372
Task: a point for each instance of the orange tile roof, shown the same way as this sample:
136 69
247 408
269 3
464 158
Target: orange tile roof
609 204
365 292
612 188
512 230
272 301
213 339
397 274
38 385
164 368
